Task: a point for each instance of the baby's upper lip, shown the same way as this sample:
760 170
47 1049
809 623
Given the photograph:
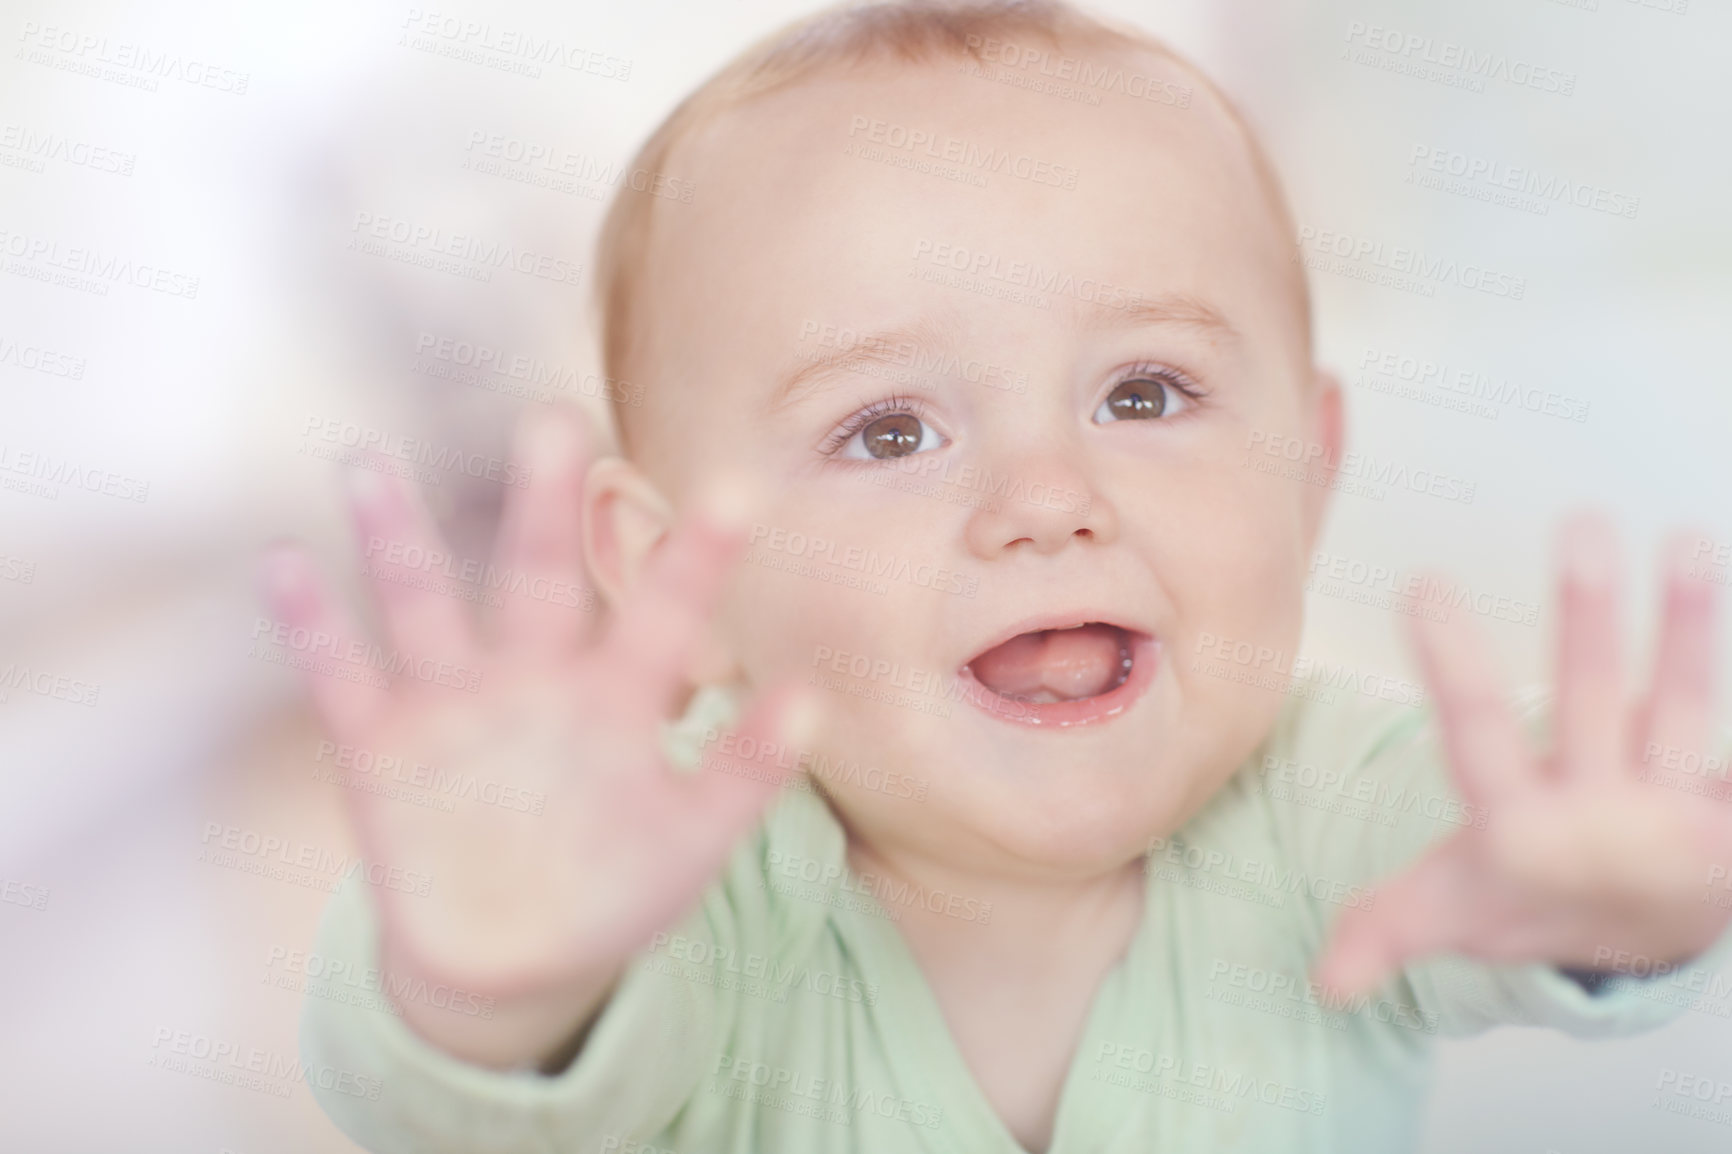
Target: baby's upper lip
1062 619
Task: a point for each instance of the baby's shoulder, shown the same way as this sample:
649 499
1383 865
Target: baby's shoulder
1351 781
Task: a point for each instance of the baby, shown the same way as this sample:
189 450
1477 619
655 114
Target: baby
936 780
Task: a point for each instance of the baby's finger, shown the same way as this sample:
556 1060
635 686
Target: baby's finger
731 789
1680 705
663 619
1488 754
1413 917
404 556
1589 724
298 599
549 606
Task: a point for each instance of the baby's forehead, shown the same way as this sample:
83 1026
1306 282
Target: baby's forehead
880 144
836 194
865 137
924 154
981 119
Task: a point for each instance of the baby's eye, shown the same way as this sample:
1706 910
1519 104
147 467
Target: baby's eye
884 432
1144 396
894 436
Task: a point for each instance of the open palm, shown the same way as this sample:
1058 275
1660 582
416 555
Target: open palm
565 709
1579 854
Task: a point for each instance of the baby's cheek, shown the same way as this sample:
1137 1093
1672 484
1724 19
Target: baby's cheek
791 624
781 632
1243 575
1270 595
1242 623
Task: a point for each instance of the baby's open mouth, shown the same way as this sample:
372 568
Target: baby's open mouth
1047 666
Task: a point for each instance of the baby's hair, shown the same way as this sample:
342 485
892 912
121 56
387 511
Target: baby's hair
847 35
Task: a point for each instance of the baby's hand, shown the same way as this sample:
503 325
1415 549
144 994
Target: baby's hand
1578 854
536 910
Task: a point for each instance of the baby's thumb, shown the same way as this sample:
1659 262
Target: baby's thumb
1357 958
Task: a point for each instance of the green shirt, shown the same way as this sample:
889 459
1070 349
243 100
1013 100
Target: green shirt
786 1015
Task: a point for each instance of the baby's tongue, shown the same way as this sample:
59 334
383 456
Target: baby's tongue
1053 664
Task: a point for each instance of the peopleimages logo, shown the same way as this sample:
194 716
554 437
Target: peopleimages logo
1318 463
44 473
1318 672
707 957
1711 561
35 147
90 269
1297 997
894 895
481 42
62 687
796 1085
320 976
1268 876
968 154
858 352
362 767
1433 59
1087 76
361 654
1463 388
1364 258
23 894
533 371
499 153
319 434
411 563
252 1067
41 360
1231 1085
1544 188
1022 274
419 243
227 844
1284 776
139 65
1388 586
858 558
727 752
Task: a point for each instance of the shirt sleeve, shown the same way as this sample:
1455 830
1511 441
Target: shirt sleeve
646 1054
1356 789
420 1099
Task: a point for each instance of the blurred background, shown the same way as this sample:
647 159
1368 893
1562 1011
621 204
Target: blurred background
217 224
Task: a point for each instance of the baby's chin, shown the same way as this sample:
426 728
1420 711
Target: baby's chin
1061 802
1063 818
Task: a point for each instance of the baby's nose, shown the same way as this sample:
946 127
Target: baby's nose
1040 505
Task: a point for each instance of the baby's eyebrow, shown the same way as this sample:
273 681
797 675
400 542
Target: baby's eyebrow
883 347
1181 309
890 346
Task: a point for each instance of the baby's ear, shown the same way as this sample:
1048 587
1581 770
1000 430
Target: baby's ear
624 517
1325 417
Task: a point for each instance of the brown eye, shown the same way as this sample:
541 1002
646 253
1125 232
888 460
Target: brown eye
892 435
1137 399
885 430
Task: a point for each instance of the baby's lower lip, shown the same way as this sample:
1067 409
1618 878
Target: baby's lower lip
1145 652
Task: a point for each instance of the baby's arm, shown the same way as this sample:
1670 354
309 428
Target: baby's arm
532 914
1581 859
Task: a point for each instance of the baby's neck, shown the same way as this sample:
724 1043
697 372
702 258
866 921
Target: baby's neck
1016 989
1042 923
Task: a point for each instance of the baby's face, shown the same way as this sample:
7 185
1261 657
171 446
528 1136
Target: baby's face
1054 435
